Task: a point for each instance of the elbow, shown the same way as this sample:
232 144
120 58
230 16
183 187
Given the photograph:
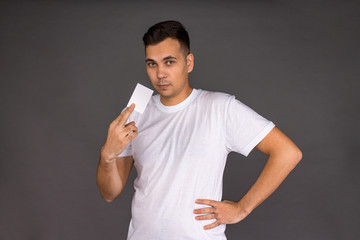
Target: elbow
110 197
109 200
297 155
300 155
293 155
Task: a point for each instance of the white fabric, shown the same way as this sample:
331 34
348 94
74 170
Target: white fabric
180 154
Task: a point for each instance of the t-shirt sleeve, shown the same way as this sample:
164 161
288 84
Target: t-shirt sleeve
127 151
244 127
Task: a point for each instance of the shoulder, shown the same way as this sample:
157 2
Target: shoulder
215 97
214 102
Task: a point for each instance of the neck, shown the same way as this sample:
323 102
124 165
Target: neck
171 101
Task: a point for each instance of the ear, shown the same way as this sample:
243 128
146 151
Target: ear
190 62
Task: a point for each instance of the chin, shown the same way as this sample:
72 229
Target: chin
165 94
166 91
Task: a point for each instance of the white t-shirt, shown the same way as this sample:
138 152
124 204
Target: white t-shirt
180 154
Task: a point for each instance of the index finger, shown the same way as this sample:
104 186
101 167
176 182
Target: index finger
123 117
205 202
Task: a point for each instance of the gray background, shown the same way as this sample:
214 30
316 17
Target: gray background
67 69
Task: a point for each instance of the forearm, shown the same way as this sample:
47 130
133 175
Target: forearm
108 179
277 168
113 172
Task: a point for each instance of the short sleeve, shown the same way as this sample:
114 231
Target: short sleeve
244 127
127 151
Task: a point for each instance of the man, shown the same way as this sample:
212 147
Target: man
179 147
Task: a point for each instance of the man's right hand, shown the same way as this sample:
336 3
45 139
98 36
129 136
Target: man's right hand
119 135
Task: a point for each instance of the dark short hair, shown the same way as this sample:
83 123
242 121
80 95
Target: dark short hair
168 29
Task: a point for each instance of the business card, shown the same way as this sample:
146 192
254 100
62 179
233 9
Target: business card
141 97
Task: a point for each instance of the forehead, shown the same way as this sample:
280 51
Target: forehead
168 47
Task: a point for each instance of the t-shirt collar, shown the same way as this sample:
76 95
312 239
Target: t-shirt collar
178 106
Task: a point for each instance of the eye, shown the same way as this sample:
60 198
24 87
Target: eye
151 64
170 62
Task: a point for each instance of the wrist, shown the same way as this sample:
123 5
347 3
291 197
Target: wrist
244 209
107 158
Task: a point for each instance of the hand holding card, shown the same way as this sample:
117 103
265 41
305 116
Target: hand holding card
141 97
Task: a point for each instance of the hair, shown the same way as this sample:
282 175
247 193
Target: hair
168 29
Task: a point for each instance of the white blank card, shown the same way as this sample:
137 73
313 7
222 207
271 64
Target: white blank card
141 97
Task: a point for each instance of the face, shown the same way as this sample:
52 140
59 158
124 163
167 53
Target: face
168 70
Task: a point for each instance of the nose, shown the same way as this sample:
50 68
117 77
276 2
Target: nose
160 72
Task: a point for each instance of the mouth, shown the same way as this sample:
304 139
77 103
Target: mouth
163 86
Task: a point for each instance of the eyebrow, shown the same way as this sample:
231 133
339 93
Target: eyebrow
164 59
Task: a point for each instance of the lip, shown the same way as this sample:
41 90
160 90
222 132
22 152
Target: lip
163 86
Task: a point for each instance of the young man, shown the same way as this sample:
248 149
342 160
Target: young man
179 148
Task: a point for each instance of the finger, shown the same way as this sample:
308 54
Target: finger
130 128
205 217
212 225
131 135
123 117
130 123
204 210
206 202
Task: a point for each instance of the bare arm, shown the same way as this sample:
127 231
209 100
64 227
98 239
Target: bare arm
112 176
113 171
283 154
